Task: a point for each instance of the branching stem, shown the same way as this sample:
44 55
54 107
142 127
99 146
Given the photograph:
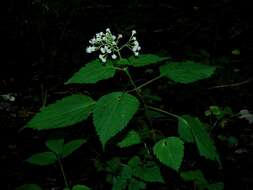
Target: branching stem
145 84
163 111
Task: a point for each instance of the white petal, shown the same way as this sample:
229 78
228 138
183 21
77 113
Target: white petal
102 50
114 56
136 53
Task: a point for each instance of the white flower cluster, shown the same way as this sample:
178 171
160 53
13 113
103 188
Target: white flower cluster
134 44
107 44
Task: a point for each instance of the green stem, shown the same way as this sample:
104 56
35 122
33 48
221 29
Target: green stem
63 172
118 51
163 111
139 94
146 83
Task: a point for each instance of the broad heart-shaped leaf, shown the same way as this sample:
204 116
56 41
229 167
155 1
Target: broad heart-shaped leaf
184 130
68 111
71 146
55 145
43 158
145 59
80 187
170 151
92 72
29 187
186 71
132 138
204 143
112 114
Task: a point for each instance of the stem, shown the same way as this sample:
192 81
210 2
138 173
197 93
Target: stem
63 173
139 94
232 85
146 83
118 51
132 81
163 111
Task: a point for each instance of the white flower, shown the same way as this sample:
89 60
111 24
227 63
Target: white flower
136 53
107 44
90 49
109 50
114 56
92 41
136 43
102 50
102 58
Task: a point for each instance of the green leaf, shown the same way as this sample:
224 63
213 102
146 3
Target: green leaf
55 145
43 158
145 59
112 114
215 186
80 187
113 165
134 162
121 62
92 72
136 184
132 138
204 143
186 71
120 182
68 111
71 146
184 130
29 187
149 172
194 175
170 151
